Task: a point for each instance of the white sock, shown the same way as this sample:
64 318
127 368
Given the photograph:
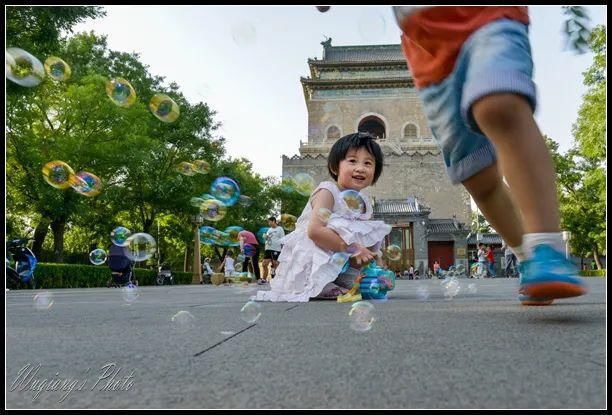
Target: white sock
530 240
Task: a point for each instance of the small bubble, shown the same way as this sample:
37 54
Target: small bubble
324 214
121 92
140 247
130 293
97 256
288 222
225 190
85 183
186 168
250 312
213 210
304 183
354 201
57 69
43 301
362 316
393 252
201 166
57 174
472 289
164 108
183 321
119 235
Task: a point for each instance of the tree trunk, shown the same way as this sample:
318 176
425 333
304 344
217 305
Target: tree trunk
39 236
596 257
186 256
58 226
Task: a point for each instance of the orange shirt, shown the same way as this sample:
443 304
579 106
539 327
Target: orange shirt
432 36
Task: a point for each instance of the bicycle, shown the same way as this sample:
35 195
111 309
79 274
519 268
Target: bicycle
20 264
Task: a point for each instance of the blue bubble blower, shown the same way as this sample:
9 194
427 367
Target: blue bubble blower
372 283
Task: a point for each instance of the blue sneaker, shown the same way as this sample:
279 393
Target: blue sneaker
548 275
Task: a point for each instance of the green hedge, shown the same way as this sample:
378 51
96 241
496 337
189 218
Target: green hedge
593 273
48 275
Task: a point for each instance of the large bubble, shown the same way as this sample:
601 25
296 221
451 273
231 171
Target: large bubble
121 92
57 69
164 108
225 190
23 68
57 174
140 247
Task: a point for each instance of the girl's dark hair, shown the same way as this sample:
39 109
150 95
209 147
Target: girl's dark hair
355 141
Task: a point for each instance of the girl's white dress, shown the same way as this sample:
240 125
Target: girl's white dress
304 268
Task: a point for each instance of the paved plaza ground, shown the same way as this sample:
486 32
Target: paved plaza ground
480 349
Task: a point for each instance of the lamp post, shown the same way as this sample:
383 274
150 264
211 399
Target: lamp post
197 220
566 237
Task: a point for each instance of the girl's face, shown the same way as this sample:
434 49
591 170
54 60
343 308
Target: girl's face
356 170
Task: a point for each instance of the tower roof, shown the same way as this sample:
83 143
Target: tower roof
363 53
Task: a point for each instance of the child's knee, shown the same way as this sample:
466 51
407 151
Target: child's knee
484 184
503 111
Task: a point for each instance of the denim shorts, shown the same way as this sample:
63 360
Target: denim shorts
494 59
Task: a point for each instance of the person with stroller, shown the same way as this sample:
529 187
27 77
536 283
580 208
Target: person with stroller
207 272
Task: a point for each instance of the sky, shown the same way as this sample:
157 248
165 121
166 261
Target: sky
246 64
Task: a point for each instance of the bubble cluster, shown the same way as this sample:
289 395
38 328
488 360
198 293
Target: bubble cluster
140 247
225 190
130 293
362 316
121 92
43 301
250 312
57 69
86 183
57 174
23 68
393 252
213 210
183 321
164 108
120 235
97 256
288 222
354 201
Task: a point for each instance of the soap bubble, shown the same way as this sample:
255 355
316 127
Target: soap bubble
23 68
140 247
43 301
121 92
250 312
97 256
119 236
164 108
57 69
362 316
57 174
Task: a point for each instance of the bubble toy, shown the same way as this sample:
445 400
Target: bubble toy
372 283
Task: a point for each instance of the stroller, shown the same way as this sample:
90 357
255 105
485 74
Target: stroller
122 267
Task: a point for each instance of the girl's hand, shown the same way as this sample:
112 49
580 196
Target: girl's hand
360 255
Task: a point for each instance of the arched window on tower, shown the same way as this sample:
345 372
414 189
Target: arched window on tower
333 133
410 132
372 125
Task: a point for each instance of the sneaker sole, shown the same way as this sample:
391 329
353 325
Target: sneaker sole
553 289
537 302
